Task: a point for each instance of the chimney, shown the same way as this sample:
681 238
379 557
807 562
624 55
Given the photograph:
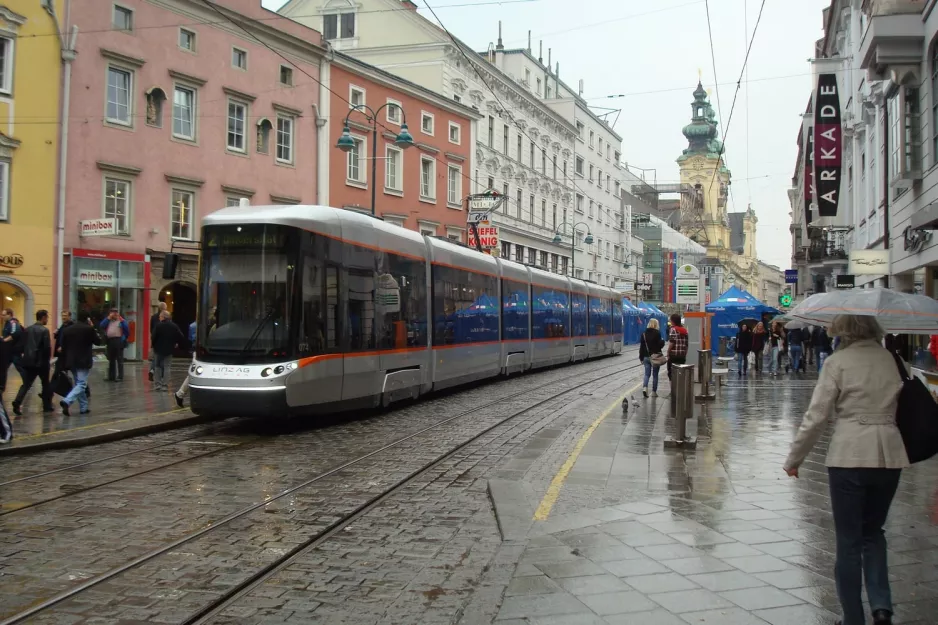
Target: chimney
549 51
529 42
581 87
499 46
540 52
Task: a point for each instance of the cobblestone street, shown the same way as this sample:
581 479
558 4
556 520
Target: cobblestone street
562 508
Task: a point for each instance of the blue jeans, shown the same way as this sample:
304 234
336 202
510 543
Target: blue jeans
773 360
78 391
742 360
821 357
860 500
794 353
649 368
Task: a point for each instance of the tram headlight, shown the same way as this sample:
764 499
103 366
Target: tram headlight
278 369
199 370
266 372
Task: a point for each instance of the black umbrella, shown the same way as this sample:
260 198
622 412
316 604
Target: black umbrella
750 322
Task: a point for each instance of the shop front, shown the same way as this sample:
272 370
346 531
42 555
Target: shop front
100 281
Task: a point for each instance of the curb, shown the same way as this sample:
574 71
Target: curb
106 437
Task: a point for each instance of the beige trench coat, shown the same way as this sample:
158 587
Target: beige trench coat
859 387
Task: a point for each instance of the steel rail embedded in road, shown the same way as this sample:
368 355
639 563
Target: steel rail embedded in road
317 538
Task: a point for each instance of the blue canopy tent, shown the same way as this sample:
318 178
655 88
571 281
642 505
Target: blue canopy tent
631 322
661 316
731 308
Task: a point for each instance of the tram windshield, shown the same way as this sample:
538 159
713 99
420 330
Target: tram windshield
247 293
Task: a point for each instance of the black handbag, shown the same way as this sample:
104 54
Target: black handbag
916 416
61 385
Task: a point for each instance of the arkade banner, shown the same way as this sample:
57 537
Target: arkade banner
808 172
828 145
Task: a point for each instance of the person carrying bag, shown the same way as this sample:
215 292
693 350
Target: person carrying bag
649 352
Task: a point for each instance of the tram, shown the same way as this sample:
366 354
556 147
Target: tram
306 310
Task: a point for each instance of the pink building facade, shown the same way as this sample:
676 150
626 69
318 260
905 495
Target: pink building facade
422 187
177 110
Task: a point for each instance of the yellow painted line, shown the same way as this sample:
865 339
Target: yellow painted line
553 491
97 425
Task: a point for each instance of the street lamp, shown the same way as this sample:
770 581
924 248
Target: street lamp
346 143
558 239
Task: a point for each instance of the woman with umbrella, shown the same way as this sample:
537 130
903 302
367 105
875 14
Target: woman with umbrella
744 346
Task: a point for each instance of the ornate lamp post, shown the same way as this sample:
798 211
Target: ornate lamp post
346 143
558 239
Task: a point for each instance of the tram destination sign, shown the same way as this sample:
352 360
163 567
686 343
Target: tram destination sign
241 236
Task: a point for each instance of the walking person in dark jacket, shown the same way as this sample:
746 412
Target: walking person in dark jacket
77 341
117 332
11 345
166 336
155 319
743 348
759 338
37 354
60 367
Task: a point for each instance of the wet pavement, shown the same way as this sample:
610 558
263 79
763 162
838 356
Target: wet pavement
568 512
117 409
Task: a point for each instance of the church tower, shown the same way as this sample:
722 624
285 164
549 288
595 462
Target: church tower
703 204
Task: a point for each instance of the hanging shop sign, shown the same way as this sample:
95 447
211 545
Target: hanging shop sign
828 145
809 206
844 281
96 277
106 226
868 262
487 236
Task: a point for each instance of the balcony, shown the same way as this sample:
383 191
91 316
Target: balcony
894 42
822 257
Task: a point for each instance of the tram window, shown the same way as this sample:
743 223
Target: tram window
333 334
551 311
465 307
578 303
514 310
314 324
361 309
600 316
401 303
616 317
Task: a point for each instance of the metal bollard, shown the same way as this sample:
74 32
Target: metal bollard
724 340
682 405
705 370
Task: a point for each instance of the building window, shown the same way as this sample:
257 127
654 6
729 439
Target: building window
454 185
184 113
555 166
456 98
394 111
554 213
239 58
617 157
518 205
355 164
4 191
237 118
117 203
6 65
543 162
578 166
119 88
286 75
122 19
617 191
505 139
427 178
592 138
393 175
263 136
284 139
182 211
454 133
591 174
491 184
544 213
491 135
505 194
356 96
599 179
532 154
531 208
579 129
579 203
894 138
600 150
426 123
187 40
339 26
538 87
231 201
912 131
592 205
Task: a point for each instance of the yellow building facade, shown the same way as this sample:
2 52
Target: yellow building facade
30 85
703 213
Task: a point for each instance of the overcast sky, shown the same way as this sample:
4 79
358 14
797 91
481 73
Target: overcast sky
647 55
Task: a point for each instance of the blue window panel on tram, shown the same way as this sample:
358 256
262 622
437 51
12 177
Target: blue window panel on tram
465 307
550 310
600 316
617 317
580 321
515 311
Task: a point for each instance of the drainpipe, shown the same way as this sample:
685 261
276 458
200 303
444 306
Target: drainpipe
322 111
886 189
68 55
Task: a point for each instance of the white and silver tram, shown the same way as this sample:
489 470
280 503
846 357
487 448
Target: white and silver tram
312 309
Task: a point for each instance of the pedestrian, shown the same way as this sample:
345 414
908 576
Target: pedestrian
817 343
6 427
795 348
677 343
808 358
60 368
37 354
11 345
822 344
651 347
759 338
743 348
859 386
117 332
775 342
155 319
77 341
166 336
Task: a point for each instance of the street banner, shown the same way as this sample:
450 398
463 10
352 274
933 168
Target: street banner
828 145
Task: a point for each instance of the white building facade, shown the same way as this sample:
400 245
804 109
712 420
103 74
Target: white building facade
527 144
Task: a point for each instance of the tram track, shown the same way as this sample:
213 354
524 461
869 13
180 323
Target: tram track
320 536
72 490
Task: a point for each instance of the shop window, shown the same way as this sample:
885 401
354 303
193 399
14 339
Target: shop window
183 209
